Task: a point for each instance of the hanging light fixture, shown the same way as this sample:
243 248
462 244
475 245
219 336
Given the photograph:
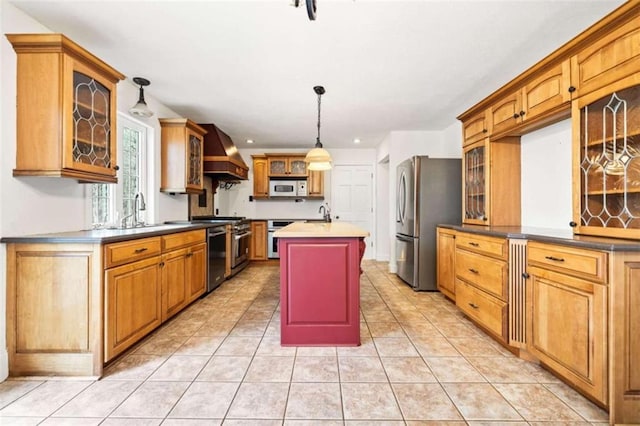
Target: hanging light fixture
140 109
318 158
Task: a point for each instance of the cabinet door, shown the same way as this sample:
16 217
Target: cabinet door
90 137
475 129
446 247
315 184
260 178
476 184
567 323
278 166
196 271
258 248
194 160
505 114
174 288
132 304
297 167
547 93
607 163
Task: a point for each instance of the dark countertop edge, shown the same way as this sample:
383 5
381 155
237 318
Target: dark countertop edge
102 236
548 235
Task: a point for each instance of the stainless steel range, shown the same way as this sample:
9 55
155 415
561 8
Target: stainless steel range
238 237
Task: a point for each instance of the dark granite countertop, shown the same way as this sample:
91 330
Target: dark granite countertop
102 236
555 236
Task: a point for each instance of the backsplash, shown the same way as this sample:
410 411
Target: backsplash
194 206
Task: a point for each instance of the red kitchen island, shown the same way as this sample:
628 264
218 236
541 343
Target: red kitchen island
320 283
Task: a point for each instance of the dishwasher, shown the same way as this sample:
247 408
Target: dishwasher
217 248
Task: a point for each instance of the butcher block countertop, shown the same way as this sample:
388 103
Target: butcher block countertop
320 230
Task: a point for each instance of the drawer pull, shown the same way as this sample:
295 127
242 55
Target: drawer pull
555 259
474 244
473 271
473 305
161 264
140 250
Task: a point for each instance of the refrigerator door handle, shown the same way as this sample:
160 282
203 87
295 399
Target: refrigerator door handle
404 238
402 198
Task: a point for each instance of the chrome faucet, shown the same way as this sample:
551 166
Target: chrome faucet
326 212
137 208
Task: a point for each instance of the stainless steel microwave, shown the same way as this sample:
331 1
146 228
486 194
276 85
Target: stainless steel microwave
287 188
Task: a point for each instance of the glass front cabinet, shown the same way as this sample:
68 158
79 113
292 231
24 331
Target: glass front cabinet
475 198
607 163
181 155
66 110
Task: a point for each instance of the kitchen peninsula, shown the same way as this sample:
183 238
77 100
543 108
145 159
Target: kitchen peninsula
320 283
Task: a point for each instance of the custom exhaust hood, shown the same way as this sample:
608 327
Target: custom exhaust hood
222 161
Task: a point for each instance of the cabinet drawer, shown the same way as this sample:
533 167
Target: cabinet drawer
129 251
481 244
588 264
487 273
486 310
181 239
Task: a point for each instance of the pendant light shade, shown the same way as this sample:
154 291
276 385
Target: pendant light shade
140 109
318 158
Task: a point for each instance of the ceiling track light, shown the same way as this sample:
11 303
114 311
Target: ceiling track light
140 109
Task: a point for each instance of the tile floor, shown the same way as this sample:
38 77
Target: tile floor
220 362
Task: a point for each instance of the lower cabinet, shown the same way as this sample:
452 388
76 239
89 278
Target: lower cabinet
258 247
174 291
488 311
446 255
567 317
127 320
196 271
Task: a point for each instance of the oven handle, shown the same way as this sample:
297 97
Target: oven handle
216 234
246 234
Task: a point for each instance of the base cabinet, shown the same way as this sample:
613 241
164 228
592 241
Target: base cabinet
126 319
258 247
446 255
196 271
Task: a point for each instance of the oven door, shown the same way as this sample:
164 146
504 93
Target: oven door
240 248
273 245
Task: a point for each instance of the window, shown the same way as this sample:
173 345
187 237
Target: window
111 203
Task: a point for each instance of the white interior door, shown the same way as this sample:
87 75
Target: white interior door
352 199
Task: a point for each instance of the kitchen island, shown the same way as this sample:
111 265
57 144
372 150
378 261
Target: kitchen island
320 283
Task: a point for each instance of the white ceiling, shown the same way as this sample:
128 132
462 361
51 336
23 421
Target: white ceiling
250 66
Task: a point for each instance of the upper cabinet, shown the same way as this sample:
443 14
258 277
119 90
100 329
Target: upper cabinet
260 176
475 129
66 110
607 163
290 166
182 141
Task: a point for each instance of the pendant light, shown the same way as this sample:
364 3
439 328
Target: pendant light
318 158
140 109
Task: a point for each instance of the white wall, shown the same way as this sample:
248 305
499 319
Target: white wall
546 177
32 205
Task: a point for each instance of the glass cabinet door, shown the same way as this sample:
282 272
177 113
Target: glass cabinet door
194 158
92 122
298 167
277 166
475 196
610 165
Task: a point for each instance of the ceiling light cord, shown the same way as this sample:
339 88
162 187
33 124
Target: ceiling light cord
318 143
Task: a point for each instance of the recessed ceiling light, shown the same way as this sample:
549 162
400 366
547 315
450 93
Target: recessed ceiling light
249 140
356 140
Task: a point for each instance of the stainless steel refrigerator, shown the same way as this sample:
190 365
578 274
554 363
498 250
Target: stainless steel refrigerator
428 192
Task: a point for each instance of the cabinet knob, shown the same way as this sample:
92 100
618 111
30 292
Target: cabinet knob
522 113
116 168
484 130
572 89
525 275
485 218
161 264
189 254
573 224
516 115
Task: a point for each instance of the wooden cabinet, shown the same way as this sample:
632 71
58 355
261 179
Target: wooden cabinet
475 128
446 252
568 317
132 304
481 281
66 110
505 114
260 176
258 247
491 182
182 147
315 184
289 166
606 162
196 271
612 58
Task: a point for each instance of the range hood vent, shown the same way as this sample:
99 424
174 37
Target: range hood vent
222 161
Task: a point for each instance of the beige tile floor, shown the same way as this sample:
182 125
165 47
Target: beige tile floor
220 362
